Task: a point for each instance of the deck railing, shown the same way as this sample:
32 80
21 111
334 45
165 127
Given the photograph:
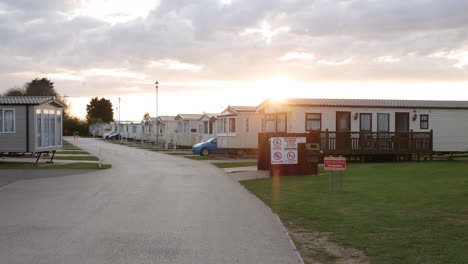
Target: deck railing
361 143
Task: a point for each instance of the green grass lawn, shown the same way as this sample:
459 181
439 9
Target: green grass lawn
403 213
201 157
234 164
92 158
72 152
179 153
78 165
68 146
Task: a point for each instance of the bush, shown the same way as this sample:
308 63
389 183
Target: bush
72 123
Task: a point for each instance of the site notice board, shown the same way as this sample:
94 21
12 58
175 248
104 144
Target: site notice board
284 149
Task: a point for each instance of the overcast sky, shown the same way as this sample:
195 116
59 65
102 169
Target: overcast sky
207 54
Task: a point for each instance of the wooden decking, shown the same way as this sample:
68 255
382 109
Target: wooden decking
376 143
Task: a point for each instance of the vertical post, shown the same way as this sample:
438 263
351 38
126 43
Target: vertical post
119 122
157 114
331 174
327 143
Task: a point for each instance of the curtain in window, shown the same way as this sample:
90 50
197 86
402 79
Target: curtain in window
366 122
46 128
9 121
232 125
52 128
38 129
383 121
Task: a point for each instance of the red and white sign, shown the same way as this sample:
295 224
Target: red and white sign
284 149
334 164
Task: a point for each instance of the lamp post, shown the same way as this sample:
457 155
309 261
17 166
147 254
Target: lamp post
156 118
119 120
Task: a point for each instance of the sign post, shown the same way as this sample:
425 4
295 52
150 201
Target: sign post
331 165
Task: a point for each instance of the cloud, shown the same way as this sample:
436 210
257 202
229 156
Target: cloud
296 56
184 42
176 65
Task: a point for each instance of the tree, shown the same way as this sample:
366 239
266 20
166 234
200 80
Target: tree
100 108
15 91
146 116
40 87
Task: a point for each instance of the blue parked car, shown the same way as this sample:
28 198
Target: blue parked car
209 147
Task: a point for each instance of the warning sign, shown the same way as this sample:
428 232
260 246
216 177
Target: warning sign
284 149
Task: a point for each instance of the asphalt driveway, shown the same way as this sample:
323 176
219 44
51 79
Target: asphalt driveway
149 208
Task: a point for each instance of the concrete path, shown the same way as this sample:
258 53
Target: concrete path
149 208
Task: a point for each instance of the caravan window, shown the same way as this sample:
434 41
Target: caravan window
7 121
383 122
270 123
424 122
281 122
313 121
38 128
232 125
366 122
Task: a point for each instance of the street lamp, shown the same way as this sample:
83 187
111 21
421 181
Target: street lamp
156 118
119 120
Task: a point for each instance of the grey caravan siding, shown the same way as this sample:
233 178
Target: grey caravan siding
15 142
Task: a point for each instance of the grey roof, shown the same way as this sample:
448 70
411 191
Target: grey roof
243 108
373 103
167 118
190 116
210 115
28 100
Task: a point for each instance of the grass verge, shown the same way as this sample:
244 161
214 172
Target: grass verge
201 157
178 153
234 164
91 158
72 152
393 212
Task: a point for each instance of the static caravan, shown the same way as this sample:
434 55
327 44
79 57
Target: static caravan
238 128
187 129
149 129
30 124
379 126
135 130
167 130
98 129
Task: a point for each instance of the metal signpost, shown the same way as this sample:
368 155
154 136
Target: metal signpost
331 165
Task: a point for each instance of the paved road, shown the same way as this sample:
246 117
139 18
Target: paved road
149 208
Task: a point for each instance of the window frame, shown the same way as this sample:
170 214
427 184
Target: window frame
270 117
285 122
388 122
313 119
360 122
3 121
423 121
234 119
